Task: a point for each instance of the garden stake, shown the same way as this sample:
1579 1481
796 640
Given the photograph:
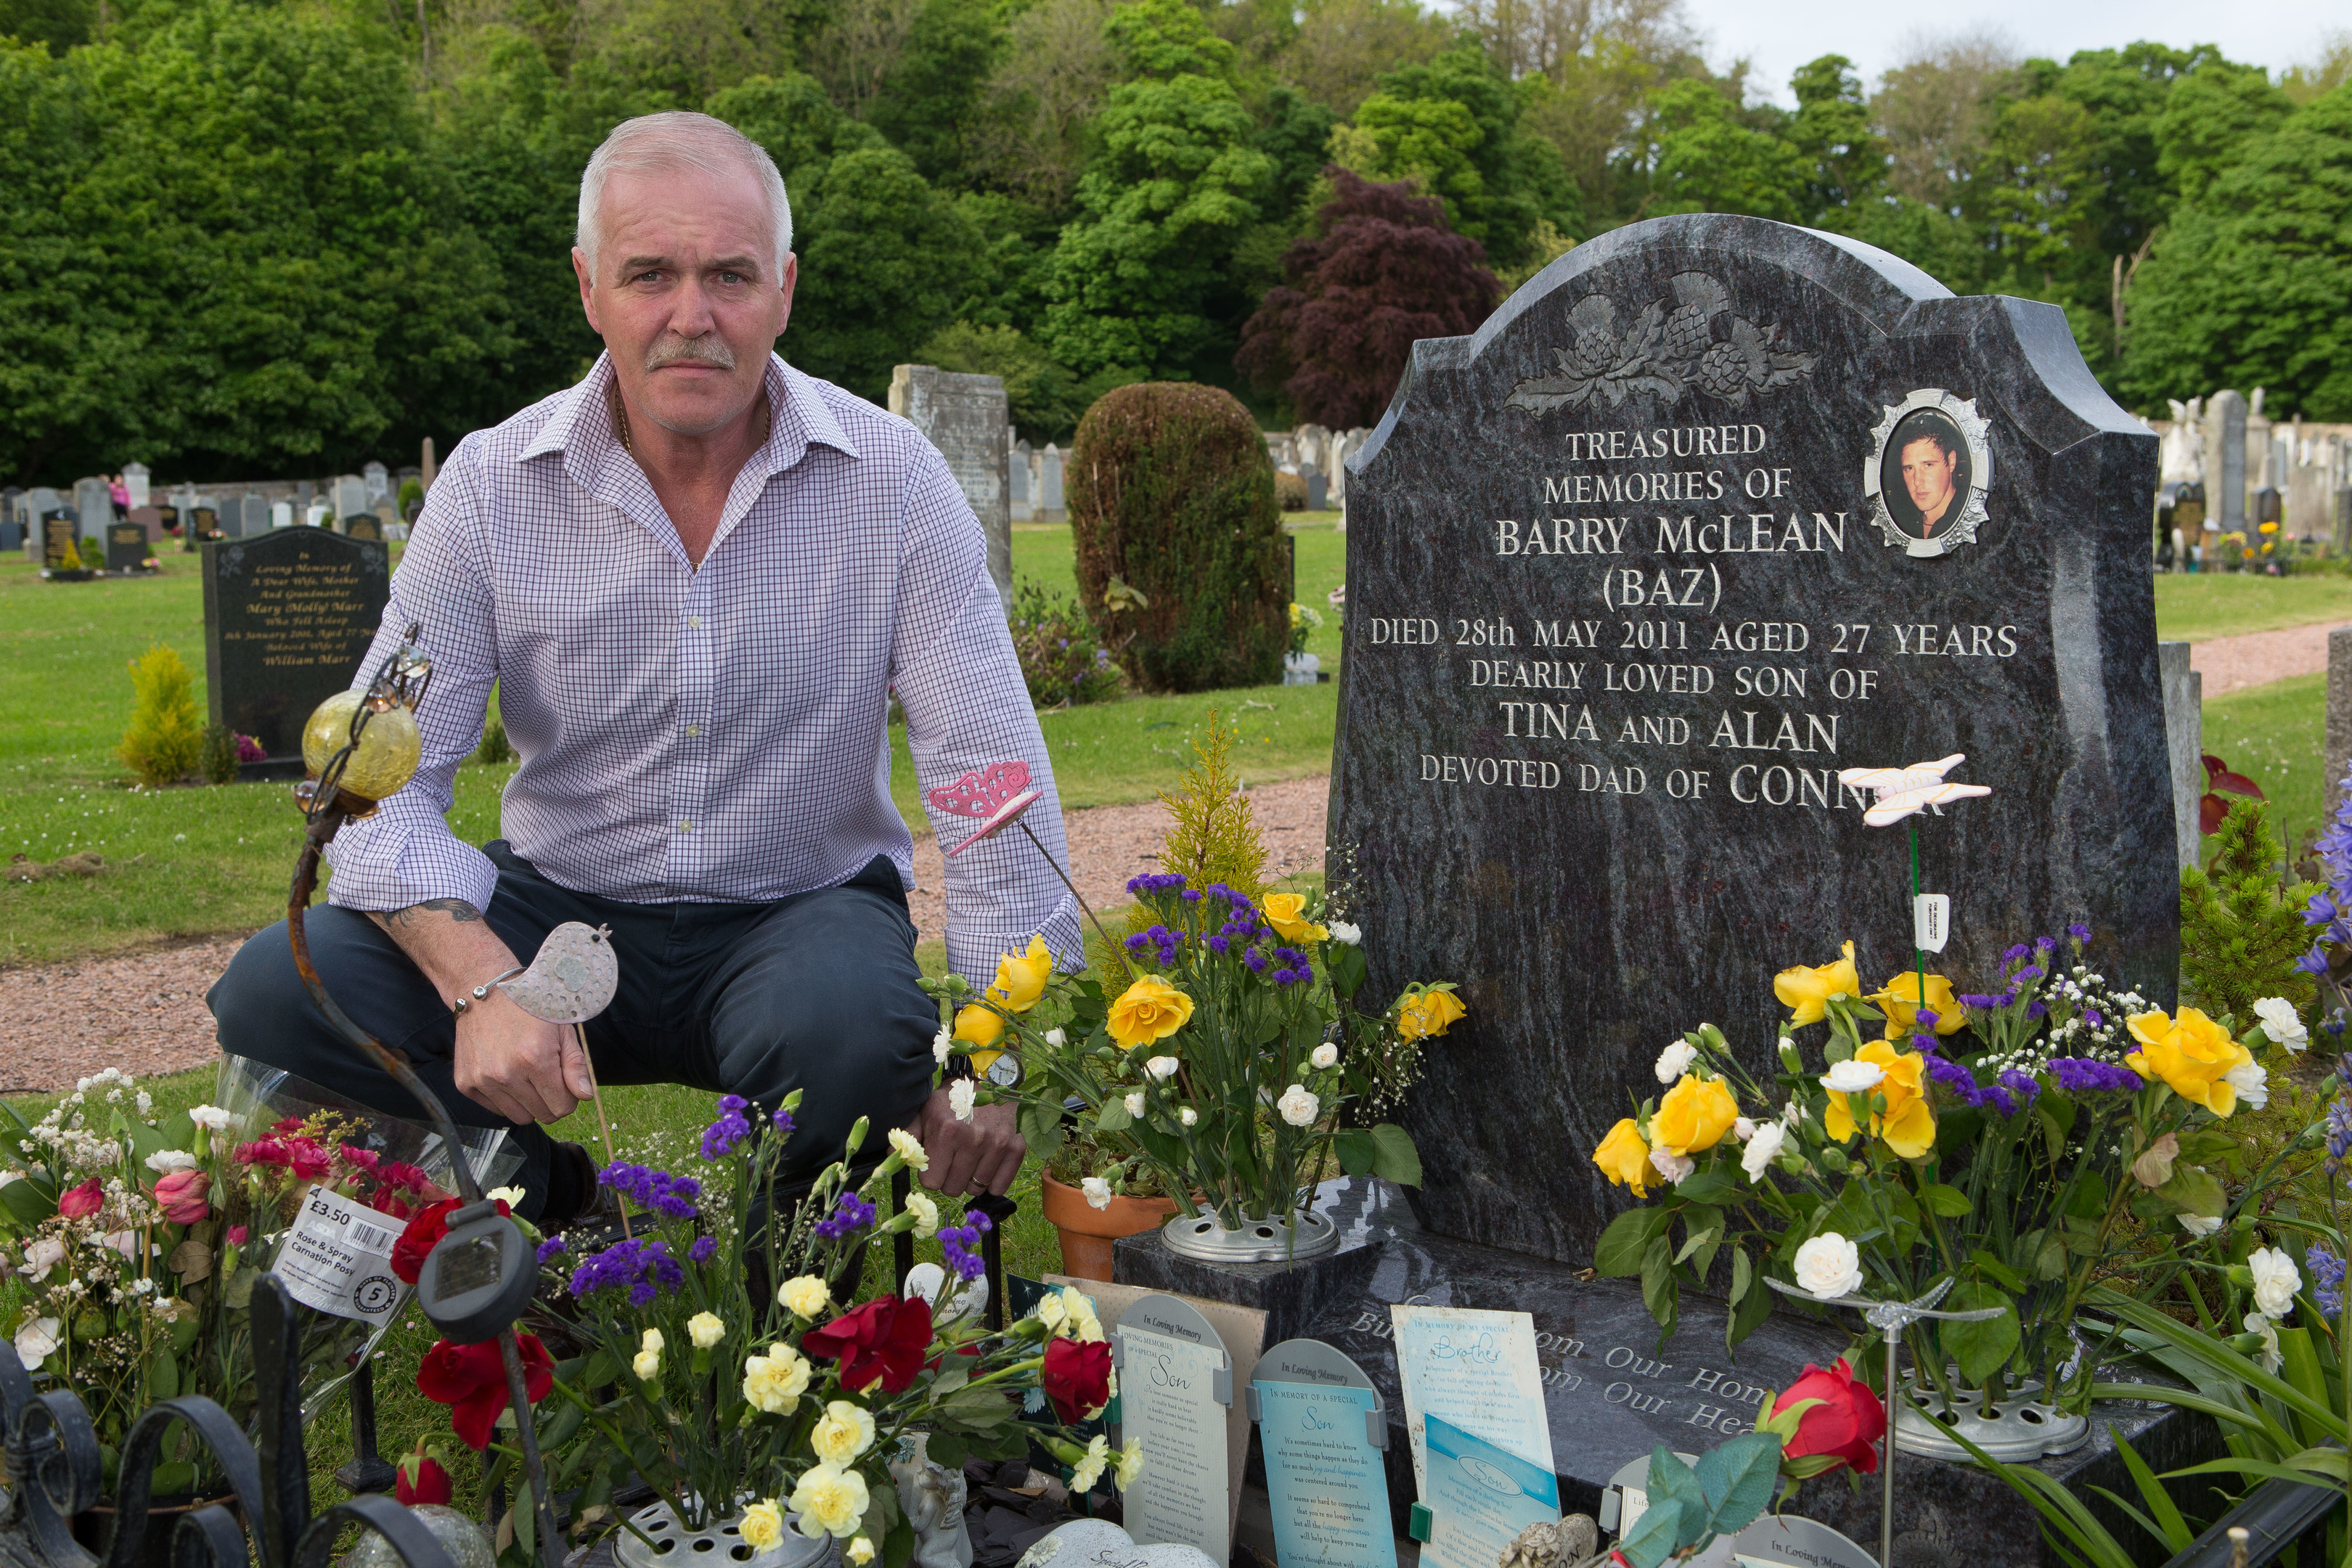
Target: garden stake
400 681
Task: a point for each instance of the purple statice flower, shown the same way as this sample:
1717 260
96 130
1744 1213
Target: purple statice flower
1138 942
2327 1267
1152 882
961 1243
1926 1017
721 1136
2021 1084
850 1212
783 1120
1924 1044
2044 943
702 1250
2031 972
551 1250
2012 954
2339 1133
1980 1000
1953 1076
1255 958
2093 1016
2034 1009
1291 956
1286 976
1221 945
2086 1075
638 1266
650 1189
1192 895
2079 932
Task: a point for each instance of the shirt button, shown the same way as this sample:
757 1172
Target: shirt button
694 622
685 827
692 730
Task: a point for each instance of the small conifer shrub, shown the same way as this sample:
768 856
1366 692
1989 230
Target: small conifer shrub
166 736
2242 926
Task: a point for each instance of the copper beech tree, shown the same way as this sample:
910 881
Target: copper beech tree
1383 270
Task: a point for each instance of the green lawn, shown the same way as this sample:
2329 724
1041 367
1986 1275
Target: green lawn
2194 608
2275 734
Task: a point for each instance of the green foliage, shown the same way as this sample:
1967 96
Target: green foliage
1707 160
2241 930
58 24
1211 824
2247 285
216 758
494 747
1063 661
166 734
1844 155
1045 399
1170 493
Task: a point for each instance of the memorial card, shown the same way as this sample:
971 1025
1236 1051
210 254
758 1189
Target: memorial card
1478 1370
1323 1427
1480 1497
1168 1390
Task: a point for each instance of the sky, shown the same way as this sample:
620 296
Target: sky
1780 35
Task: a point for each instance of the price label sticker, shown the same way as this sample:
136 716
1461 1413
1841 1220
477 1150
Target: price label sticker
1931 921
338 1258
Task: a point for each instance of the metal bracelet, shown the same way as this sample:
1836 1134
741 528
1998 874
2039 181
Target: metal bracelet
483 990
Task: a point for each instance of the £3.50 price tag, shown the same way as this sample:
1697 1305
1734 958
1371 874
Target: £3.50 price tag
338 1258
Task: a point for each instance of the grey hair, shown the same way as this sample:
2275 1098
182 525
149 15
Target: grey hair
657 144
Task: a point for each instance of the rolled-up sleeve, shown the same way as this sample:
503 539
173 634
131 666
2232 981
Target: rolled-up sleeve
406 854
954 669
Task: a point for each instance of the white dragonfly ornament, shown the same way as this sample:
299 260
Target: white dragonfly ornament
1906 792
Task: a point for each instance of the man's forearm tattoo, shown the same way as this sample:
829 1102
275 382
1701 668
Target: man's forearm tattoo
457 910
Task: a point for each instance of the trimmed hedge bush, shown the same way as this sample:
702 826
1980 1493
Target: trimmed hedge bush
1171 496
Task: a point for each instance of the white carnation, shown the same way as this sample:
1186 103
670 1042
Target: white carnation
1098 1191
943 1045
2198 1223
1342 931
2276 1279
2273 1359
2281 1024
2252 1082
1675 1060
1162 1068
1057 1038
1852 1077
1188 1115
1325 1054
212 1117
960 1098
1134 1103
1828 1266
1672 1167
1298 1107
164 1161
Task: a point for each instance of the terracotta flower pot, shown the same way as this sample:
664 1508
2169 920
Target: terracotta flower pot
1088 1231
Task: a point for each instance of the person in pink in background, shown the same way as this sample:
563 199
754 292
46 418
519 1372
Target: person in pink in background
120 494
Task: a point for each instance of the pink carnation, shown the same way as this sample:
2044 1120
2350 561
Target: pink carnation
79 1203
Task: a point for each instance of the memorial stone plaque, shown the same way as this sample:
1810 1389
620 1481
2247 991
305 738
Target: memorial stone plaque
963 417
59 540
364 525
288 618
1711 510
127 546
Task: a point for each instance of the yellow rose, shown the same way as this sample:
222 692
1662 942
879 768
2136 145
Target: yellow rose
979 1026
1695 1115
1021 981
842 1433
1624 1159
1910 1125
1899 1000
804 1295
763 1525
776 1381
1148 1010
1806 992
2192 1054
1286 912
830 1502
1428 1013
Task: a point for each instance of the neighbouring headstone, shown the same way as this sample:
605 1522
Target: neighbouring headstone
350 497
288 616
1318 491
1322 1426
378 480
127 546
2342 521
364 525
61 541
1050 507
134 479
963 417
1021 484
168 519
2337 743
93 501
2225 461
2184 736
151 519
1706 513
281 514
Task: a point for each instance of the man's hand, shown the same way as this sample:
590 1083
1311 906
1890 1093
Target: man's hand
982 1156
521 1067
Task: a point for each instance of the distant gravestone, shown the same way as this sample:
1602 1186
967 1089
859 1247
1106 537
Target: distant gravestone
288 616
378 483
61 541
127 546
2225 462
1021 486
134 479
1712 510
151 519
963 417
93 501
281 514
350 497
167 518
1050 507
1318 491
364 525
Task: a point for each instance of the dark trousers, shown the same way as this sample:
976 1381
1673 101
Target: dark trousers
817 991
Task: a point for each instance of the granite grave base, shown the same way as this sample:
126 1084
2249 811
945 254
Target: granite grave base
1612 1391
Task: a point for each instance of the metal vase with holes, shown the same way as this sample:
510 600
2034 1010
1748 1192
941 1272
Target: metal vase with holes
2017 1432
1300 1234
667 1543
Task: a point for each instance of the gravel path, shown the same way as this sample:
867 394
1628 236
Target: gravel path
2232 664
145 1011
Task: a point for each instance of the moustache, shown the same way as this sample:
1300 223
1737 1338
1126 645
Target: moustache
709 349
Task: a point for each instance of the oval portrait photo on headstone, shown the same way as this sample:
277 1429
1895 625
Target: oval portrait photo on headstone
1928 473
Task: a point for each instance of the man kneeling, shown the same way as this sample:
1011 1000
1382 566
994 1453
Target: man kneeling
696 577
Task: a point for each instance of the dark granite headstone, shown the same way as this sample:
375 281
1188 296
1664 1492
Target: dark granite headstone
126 547
364 525
60 536
168 519
288 616
1631 573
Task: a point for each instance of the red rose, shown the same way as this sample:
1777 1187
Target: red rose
1844 1425
884 1339
1078 1378
79 1203
429 1225
472 1381
422 1479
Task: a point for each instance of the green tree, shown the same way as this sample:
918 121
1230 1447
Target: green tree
2208 119
2247 284
57 25
1453 125
1709 161
1846 159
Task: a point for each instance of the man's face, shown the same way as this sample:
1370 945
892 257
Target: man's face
1927 475
685 295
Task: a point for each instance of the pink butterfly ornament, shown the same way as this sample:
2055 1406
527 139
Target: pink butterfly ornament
996 794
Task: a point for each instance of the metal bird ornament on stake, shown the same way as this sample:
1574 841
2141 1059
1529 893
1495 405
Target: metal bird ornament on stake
1890 1318
569 981
361 747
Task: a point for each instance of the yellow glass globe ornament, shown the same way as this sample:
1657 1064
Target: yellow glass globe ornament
388 751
